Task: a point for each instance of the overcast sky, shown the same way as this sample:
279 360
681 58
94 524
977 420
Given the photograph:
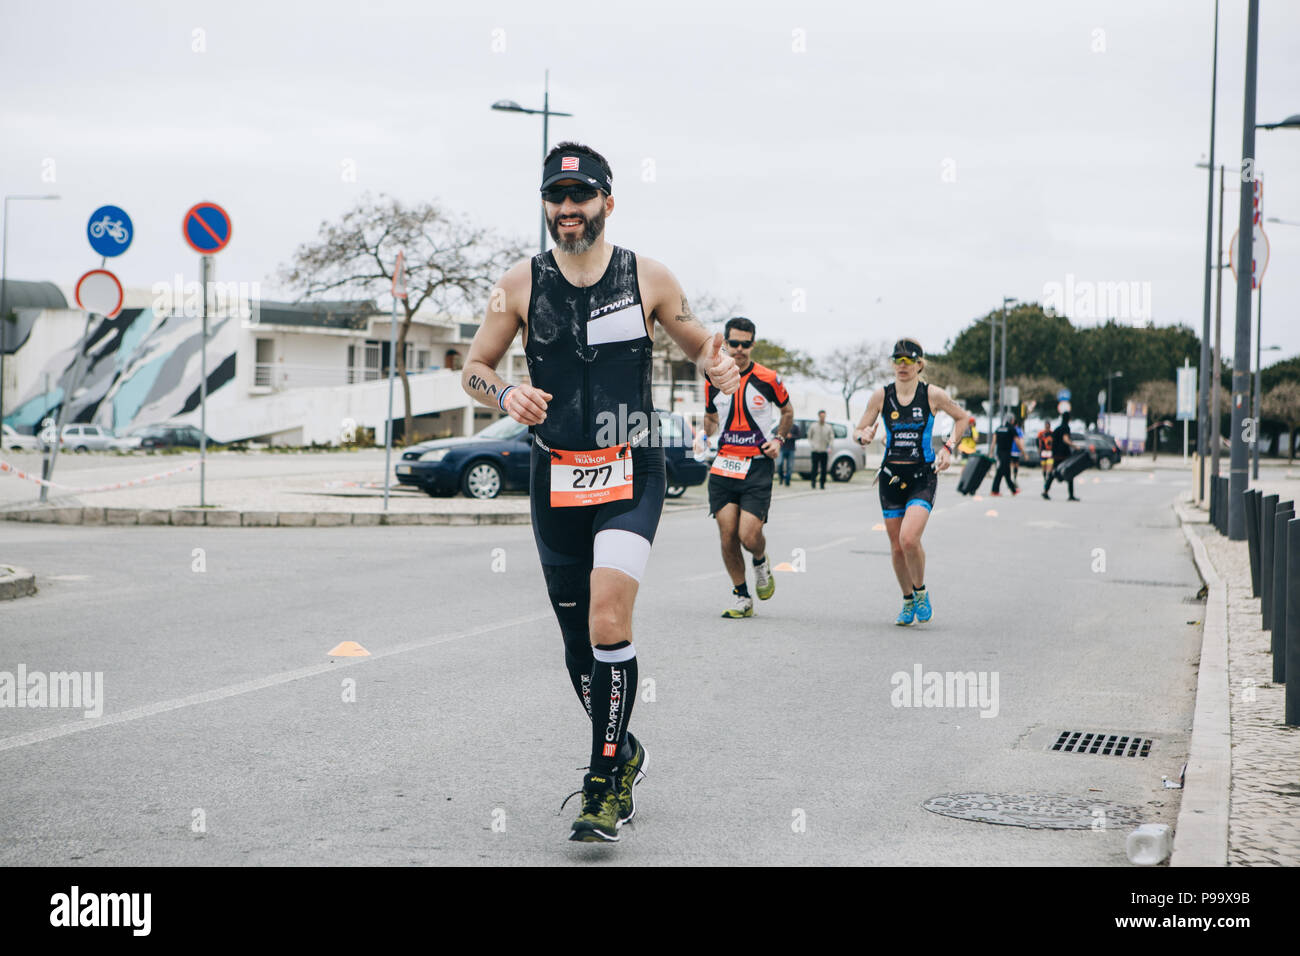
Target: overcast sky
763 151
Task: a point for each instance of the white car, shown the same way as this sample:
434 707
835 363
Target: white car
13 439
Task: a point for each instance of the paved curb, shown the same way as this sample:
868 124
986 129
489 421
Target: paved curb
16 582
1201 832
192 517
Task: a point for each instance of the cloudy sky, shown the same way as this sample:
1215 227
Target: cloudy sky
890 167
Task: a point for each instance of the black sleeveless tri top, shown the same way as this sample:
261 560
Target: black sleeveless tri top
588 348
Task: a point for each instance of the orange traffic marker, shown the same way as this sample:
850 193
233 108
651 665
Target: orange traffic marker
877 527
349 649
978 497
990 513
784 566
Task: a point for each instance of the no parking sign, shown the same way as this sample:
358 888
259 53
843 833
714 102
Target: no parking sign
206 228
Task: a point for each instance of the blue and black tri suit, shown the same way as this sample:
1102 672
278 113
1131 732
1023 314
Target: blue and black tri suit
907 475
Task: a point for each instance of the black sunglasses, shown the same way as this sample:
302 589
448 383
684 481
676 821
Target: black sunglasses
741 344
577 193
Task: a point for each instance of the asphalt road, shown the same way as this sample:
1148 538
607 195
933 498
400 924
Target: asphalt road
227 737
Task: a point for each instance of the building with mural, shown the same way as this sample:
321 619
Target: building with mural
279 373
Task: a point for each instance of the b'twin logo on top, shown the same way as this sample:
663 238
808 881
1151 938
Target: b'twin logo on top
568 163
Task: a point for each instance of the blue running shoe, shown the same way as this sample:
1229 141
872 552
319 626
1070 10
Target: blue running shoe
907 614
922 604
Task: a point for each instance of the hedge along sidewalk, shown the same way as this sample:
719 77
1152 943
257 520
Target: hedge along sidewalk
227 518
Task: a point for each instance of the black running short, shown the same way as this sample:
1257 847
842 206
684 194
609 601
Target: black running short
566 535
915 485
753 492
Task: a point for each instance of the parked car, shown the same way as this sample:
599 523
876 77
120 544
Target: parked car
17 440
1103 448
497 459
165 435
846 455
84 438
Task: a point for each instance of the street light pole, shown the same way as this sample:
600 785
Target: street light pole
1238 473
1203 399
510 106
1002 395
1216 410
993 338
4 304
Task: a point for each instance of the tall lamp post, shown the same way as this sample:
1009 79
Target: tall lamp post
1109 376
510 106
1203 399
1291 122
4 304
1002 394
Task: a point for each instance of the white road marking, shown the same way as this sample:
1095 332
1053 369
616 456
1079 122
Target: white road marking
247 687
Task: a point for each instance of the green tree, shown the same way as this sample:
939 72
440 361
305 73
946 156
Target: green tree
785 361
1282 404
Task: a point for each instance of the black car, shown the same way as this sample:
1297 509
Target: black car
167 436
497 460
1103 448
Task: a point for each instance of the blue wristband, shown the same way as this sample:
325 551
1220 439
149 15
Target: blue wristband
501 399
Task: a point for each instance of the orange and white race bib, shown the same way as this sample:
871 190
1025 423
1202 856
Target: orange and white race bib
581 478
730 466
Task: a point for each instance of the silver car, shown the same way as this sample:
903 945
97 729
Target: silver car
82 438
846 455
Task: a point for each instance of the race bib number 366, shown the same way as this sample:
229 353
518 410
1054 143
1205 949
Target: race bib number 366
590 477
729 466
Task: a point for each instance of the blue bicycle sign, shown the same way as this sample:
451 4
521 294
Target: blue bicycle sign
109 231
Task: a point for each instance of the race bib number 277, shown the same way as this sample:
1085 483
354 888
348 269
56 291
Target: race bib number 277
581 478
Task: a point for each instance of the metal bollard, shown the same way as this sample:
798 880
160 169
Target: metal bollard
1291 650
1266 561
1223 506
1250 500
1214 503
1285 512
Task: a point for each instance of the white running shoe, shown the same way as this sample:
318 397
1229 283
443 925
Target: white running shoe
743 606
763 579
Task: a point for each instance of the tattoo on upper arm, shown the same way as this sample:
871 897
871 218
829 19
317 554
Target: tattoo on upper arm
686 315
482 385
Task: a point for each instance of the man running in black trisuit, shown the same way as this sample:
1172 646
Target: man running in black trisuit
587 312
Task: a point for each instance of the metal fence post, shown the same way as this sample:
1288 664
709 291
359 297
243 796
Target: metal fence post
1291 649
1266 562
1251 502
1277 645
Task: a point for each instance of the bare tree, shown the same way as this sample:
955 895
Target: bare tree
1282 402
852 368
451 264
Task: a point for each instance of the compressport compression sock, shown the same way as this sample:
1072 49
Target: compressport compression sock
741 589
613 692
758 561
569 587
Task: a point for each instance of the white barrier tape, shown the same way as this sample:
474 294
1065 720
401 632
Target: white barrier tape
6 467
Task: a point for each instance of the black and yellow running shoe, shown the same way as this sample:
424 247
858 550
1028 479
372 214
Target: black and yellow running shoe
599 820
628 776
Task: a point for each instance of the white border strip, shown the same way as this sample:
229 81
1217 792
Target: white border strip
1201 833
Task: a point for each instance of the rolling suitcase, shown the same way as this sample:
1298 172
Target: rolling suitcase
973 474
1070 468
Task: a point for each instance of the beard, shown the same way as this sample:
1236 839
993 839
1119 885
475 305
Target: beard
591 231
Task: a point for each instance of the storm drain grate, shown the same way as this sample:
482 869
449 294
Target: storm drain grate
1107 745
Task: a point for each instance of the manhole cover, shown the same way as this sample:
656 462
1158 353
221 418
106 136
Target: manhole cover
1036 811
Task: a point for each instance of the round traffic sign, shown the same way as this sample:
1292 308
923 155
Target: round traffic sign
99 291
1259 253
109 230
206 228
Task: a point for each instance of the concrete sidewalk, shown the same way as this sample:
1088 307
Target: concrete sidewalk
1263 794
